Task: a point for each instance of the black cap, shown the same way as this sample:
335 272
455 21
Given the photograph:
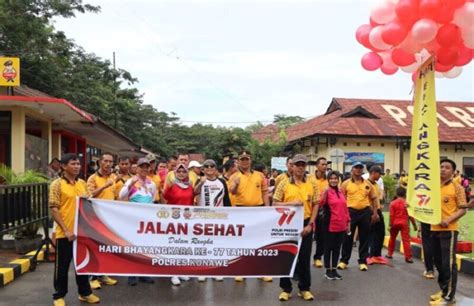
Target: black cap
376 169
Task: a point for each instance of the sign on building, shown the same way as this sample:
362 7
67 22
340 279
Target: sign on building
10 75
279 163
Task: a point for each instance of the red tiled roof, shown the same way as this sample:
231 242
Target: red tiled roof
384 118
268 132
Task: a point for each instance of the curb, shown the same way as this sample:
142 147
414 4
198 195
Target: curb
15 268
464 263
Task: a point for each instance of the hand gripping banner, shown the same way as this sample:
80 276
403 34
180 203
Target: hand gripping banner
134 239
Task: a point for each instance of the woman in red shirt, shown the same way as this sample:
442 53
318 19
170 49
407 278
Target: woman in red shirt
337 220
180 191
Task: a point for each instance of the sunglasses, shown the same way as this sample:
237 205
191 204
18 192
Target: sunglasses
209 166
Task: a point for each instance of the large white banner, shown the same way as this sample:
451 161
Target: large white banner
122 238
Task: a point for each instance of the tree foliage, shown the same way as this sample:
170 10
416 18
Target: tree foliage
56 65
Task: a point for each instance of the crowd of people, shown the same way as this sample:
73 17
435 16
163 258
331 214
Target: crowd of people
337 212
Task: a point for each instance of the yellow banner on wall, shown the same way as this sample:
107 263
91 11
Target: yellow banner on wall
423 193
10 71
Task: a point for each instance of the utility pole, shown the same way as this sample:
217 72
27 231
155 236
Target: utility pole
115 95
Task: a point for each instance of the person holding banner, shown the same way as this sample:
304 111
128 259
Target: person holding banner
62 202
319 235
211 191
249 188
300 191
363 202
101 185
445 234
141 189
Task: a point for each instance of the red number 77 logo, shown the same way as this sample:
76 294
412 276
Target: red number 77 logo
287 215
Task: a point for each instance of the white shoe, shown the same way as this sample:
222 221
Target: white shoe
184 278
175 281
201 279
219 279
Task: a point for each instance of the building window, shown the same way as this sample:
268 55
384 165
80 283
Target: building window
5 138
468 166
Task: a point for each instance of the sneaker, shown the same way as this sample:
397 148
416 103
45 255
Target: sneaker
329 274
363 267
219 279
89 299
389 256
409 260
108 281
201 279
443 302
175 281
318 263
342 266
306 295
132 281
59 302
239 279
267 279
284 296
336 275
184 278
436 296
95 284
147 280
429 274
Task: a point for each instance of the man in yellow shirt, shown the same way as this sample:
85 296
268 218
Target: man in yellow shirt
62 202
363 201
300 191
248 188
457 177
123 174
445 235
322 183
101 185
403 181
285 176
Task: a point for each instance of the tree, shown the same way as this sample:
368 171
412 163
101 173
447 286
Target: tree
284 121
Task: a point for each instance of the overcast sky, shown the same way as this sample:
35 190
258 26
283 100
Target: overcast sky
243 61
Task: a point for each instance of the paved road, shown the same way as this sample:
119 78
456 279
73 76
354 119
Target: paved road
401 285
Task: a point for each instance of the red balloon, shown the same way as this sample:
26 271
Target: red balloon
455 3
373 23
465 56
407 11
402 58
445 13
371 61
394 33
443 68
449 35
429 8
388 71
361 31
447 56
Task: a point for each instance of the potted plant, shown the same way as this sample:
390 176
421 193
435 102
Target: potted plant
463 246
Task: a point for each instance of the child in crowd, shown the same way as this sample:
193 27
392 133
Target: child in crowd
399 223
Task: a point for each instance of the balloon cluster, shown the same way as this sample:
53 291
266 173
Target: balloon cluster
403 33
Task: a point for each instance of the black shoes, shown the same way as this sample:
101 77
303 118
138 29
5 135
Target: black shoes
332 274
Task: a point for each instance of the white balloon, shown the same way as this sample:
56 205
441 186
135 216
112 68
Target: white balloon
464 16
453 73
468 37
375 39
383 12
410 68
387 60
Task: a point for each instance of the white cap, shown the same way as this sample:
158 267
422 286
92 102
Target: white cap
194 164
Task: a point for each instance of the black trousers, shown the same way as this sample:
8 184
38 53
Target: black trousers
444 251
360 219
332 248
303 266
61 270
377 236
319 237
427 244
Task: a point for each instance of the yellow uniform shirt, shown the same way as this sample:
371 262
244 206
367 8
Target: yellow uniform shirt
322 183
119 182
453 198
281 178
306 192
404 181
457 179
97 180
377 192
251 188
62 194
231 196
359 194
157 180
192 177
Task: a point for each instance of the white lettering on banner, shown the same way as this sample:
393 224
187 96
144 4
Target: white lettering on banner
398 114
461 115
135 239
